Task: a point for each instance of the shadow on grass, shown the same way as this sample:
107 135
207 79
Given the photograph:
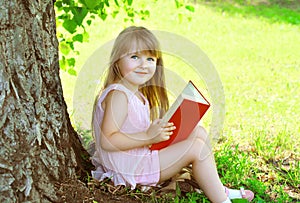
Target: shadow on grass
282 11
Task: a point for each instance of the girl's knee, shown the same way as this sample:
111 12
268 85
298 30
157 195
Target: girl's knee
200 149
200 133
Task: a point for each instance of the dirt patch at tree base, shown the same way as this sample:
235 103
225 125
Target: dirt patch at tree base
95 191
76 191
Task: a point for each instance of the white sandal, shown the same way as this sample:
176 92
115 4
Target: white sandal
246 194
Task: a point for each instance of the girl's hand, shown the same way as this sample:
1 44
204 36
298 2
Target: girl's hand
160 131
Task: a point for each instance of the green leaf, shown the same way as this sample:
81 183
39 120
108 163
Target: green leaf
64 48
130 12
71 44
68 2
103 16
190 8
89 22
62 63
129 2
63 16
100 7
178 4
78 38
144 14
147 13
79 14
73 72
86 36
106 3
91 4
70 25
71 62
117 3
59 5
66 9
114 13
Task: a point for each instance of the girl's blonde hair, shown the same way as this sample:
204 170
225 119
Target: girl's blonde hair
136 39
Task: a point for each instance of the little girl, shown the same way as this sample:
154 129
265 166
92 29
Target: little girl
126 121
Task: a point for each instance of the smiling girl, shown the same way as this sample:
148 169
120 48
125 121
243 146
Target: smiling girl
126 121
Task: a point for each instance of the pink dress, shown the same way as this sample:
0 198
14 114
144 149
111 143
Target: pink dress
131 167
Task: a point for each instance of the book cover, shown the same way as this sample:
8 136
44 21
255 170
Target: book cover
186 112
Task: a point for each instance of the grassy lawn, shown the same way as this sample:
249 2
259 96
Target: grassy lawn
256 52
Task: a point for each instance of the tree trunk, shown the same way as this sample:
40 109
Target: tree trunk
38 145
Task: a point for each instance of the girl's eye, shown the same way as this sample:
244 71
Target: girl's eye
151 59
134 57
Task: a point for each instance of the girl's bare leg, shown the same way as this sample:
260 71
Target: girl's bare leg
195 150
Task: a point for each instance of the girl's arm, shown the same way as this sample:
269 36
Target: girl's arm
115 112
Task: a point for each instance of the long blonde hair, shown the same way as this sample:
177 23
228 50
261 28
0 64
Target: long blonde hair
134 39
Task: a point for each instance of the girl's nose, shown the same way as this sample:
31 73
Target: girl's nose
144 62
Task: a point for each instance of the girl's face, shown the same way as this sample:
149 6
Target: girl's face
137 68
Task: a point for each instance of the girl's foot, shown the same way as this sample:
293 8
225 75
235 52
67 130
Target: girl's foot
236 194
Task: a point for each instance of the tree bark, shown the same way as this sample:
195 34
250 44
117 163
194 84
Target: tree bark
38 145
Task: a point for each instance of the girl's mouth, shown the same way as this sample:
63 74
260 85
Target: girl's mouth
141 73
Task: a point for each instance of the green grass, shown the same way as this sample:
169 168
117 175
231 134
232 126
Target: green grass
283 11
255 49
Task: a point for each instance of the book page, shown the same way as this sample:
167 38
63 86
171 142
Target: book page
172 109
191 93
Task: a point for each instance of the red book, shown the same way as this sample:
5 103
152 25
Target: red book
186 112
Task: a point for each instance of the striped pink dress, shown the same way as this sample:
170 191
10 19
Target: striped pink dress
131 167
